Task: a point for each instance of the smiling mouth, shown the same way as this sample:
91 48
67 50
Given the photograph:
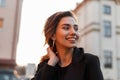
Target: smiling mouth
73 40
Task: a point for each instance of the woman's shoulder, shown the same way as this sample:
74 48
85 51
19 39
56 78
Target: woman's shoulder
90 55
91 58
42 63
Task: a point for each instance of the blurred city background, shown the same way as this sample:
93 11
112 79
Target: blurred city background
99 28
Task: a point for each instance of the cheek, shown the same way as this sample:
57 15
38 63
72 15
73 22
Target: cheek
61 34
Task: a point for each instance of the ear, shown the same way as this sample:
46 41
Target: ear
53 37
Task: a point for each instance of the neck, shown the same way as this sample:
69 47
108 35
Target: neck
65 56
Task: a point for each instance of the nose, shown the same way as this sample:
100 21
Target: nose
72 31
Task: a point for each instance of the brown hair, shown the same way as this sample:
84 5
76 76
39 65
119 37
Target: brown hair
51 25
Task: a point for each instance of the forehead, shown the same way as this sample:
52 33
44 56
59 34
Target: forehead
67 20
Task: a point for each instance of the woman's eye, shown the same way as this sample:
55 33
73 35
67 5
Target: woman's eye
66 28
76 28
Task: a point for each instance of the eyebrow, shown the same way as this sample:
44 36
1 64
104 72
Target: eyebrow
69 24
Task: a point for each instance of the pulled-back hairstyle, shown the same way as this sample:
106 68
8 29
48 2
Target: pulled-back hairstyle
51 25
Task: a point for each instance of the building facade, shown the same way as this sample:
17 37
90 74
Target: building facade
10 13
99 27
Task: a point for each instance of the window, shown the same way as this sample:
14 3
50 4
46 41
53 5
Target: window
1 22
107 9
2 3
107 59
107 28
118 68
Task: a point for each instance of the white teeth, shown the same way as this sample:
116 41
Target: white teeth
71 39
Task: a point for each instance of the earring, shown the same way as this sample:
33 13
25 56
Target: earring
53 43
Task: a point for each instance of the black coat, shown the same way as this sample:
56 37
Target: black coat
84 66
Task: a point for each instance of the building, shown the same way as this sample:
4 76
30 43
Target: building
10 13
30 70
99 22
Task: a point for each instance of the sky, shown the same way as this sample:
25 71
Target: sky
30 46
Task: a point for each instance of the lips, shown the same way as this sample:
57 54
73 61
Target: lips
72 38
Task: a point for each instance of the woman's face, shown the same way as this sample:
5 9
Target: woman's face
66 33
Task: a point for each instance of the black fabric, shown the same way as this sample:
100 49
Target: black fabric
93 70
61 72
84 66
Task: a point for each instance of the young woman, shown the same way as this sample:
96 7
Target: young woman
64 61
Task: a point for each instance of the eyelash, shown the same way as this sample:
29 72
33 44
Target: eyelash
67 28
76 28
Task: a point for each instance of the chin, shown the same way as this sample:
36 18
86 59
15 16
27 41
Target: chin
72 46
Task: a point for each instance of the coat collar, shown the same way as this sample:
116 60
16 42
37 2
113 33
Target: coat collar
78 66
78 54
